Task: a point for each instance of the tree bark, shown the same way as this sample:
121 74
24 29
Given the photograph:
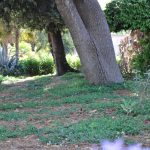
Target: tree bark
50 44
4 54
17 45
93 43
32 46
96 24
58 53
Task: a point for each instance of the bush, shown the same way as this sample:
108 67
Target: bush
46 66
30 66
35 66
141 62
74 61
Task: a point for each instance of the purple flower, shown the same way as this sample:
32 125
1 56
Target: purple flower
117 145
135 147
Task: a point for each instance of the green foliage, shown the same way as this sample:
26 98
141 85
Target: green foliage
142 83
74 61
35 14
35 66
10 116
141 93
68 42
132 15
94 130
6 133
129 106
46 66
128 14
30 66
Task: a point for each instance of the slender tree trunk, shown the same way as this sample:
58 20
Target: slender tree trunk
58 53
32 46
17 45
95 49
50 43
4 54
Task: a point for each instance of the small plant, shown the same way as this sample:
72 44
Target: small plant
142 84
129 106
142 92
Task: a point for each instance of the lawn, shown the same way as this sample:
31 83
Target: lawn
48 112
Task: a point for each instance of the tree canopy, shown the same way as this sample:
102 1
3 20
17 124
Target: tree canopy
35 14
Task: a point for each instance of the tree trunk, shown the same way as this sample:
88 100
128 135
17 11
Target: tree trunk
50 44
4 54
17 45
32 46
58 53
93 43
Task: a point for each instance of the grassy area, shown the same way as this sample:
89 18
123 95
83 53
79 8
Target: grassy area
67 109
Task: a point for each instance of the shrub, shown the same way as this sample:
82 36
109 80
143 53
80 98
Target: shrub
141 61
129 15
35 66
46 66
30 66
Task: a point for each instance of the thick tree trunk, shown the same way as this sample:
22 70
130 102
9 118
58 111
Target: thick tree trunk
58 53
93 43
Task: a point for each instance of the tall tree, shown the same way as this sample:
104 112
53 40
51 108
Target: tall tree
91 35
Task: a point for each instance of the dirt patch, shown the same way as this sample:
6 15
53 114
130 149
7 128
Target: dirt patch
78 116
110 111
124 93
143 139
106 100
65 106
32 143
13 124
5 94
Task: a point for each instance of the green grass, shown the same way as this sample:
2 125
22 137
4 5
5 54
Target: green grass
92 130
68 109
